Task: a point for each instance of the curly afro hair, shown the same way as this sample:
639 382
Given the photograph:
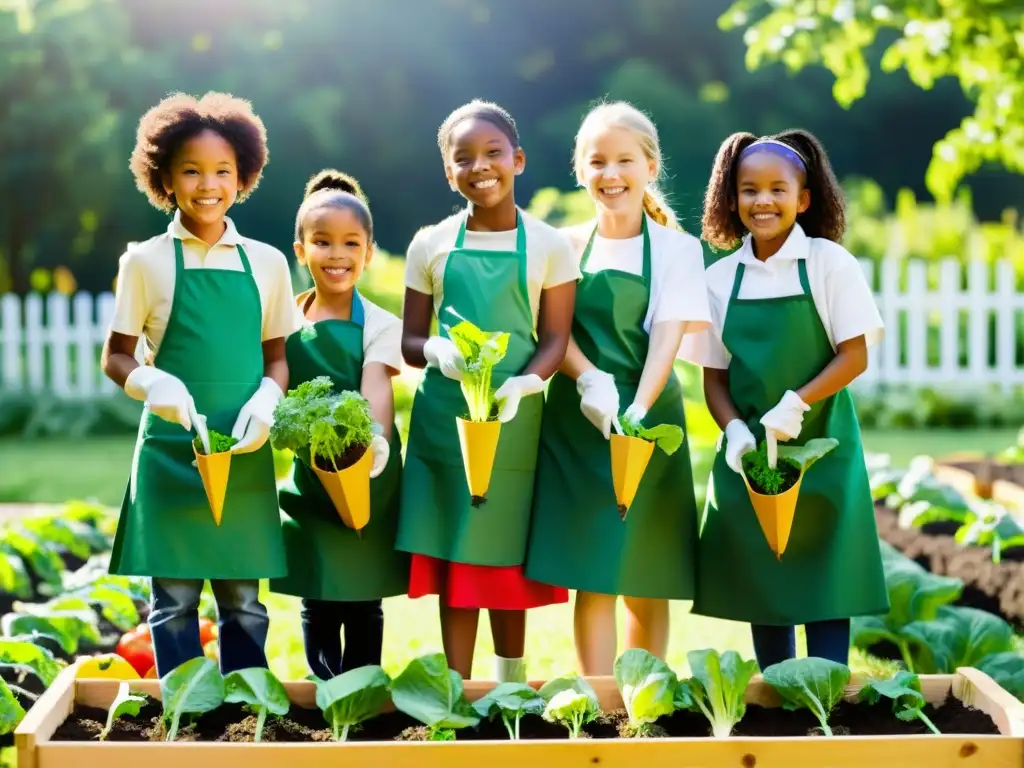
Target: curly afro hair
180 117
825 218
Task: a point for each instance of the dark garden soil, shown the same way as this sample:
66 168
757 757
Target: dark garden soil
996 588
232 723
351 455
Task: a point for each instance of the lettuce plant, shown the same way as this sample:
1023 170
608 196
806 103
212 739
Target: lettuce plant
352 698
219 442
810 683
11 711
481 351
510 701
648 688
193 688
260 691
124 704
330 429
717 688
430 692
793 461
668 437
571 702
904 689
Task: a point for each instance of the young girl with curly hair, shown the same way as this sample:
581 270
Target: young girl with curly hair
214 308
792 320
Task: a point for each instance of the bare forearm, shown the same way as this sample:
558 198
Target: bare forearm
555 328
575 363
376 388
416 315
851 361
716 394
275 364
118 357
661 356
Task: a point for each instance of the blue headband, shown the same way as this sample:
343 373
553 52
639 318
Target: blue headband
776 147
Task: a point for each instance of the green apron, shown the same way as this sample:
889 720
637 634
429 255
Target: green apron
326 559
166 530
832 567
489 289
578 540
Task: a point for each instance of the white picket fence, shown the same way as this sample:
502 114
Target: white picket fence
53 343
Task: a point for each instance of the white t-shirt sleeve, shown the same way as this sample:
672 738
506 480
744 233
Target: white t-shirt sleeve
418 274
279 314
680 292
382 338
852 311
130 303
562 264
705 347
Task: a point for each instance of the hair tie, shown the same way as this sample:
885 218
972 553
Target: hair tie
774 145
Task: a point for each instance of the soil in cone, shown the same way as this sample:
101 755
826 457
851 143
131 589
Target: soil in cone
775 514
214 469
479 441
349 490
630 456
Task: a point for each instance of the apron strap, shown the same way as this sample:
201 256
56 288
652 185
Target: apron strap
358 315
804 282
179 260
737 282
245 260
646 270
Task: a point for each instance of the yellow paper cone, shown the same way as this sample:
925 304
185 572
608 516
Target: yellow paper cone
349 490
630 456
775 513
214 469
479 441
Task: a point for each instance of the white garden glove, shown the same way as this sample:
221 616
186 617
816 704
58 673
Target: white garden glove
381 450
165 395
444 355
252 427
513 390
739 441
635 413
599 399
786 418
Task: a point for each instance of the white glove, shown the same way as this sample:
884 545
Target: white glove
513 390
739 441
599 399
786 418
252 427
444 355
381 450
635 413
165 395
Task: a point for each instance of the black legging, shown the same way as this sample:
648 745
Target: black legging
825 639
322 624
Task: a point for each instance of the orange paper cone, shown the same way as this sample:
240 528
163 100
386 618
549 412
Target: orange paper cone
214 469
630 456
775 514
349 489
479 441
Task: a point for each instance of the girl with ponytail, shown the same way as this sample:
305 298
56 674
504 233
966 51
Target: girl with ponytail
642 289
340 575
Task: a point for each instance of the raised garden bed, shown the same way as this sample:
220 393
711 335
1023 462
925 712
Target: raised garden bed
994 587
979 721
980 475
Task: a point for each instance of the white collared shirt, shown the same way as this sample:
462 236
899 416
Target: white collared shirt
839 289
145 280
677 289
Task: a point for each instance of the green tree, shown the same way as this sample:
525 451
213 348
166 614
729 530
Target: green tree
979 42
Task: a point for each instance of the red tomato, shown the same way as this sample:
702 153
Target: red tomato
207 631
137 651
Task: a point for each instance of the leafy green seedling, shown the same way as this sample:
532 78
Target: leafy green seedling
648 688
352 698
904 689
793 461
260 691
125 704
717 688
194 688
481 351
219 442
810 683
430 692
510 701
571 702
667 437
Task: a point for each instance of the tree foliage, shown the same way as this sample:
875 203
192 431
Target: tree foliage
978 42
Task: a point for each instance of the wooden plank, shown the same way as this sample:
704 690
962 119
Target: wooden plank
45 717
806 752
976 689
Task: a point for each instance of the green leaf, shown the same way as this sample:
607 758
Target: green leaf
14 579
904 689
804 456
668 437
352 698
718 685
123 705
261 691
11 711
314 421
194 688
957 637
572 709
1007 669
481 352
647 685
67 621
21 653
810 683
431 693
510 701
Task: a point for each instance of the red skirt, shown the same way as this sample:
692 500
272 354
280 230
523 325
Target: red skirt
502 588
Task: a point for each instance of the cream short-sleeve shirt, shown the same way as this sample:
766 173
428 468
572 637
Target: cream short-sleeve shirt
146 276
839 289
549 256
382 331
677 291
